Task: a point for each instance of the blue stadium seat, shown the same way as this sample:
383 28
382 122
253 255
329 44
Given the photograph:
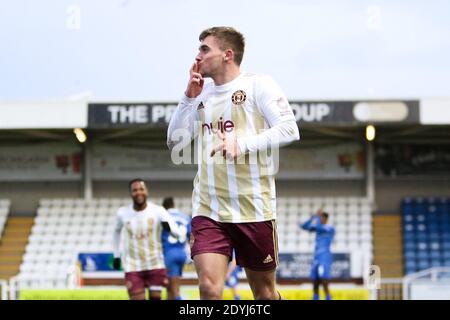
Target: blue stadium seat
433 227
434 246
431 209
421 246
444 222
433 237
445 227
445 236
407 206
421 236
410 255
410 270
408 227
408 218
435 255
409 245
422 255
408 236
410 264
420 217
446 255
442 206
423 264
446 263
420 207
435 263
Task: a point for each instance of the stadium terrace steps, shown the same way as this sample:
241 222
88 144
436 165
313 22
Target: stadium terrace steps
388 245
12 245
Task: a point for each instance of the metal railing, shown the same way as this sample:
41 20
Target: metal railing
429 277
389 289
3 289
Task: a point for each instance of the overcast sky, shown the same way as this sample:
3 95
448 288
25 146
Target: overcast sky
141 50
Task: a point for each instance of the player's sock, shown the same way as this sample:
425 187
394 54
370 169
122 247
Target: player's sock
178 298
329 297
316 296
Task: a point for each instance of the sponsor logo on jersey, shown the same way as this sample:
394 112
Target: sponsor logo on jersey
221 125
283 105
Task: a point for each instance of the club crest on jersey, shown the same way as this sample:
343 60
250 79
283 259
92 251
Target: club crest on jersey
238 97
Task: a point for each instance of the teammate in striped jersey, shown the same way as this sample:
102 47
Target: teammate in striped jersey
142 255
236 120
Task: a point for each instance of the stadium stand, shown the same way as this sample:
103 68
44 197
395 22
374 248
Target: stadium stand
14 232
352 218
64 227
426 233
387 241
4 211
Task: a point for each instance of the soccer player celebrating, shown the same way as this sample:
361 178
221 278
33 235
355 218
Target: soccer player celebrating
142 257
175 249
236 120
321 266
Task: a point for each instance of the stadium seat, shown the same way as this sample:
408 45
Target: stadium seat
410 245
423 255
408 236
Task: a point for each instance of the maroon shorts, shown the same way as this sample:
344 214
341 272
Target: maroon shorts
255 243
139 280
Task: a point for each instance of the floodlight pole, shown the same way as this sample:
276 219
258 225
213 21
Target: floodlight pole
87 174
370 172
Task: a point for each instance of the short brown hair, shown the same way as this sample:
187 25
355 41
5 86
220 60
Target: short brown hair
228 38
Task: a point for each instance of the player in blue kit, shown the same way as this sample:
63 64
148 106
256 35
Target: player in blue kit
232 278
174 250
321 266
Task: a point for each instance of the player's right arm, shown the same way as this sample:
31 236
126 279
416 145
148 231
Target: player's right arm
307 225
169 224
181 125
116 239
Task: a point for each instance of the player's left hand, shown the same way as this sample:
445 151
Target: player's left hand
229 147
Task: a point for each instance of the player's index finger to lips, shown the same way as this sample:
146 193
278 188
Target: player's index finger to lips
193 68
